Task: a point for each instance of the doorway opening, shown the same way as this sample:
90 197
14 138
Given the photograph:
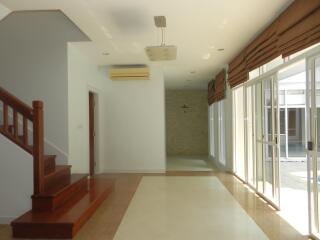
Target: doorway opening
187 130
92 133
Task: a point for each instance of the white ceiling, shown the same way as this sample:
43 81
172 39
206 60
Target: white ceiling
199 28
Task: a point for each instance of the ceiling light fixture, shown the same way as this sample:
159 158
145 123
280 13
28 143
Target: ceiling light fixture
162 52
221 49
206 56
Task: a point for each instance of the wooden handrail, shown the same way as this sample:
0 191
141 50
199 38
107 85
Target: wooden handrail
12 101
35 116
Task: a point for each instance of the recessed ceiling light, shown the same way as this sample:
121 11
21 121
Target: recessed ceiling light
106 53
221 49
206 56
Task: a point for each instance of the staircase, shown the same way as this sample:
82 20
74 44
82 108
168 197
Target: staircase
62 202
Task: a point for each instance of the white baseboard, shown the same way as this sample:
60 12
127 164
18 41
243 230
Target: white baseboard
141 171
6 220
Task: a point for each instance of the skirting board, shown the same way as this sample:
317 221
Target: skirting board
217 164
134 171
6 220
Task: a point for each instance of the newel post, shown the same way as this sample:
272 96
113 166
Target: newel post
38 147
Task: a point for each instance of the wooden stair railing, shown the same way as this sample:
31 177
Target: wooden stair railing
62 202
33 114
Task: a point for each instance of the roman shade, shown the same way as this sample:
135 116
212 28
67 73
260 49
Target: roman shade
297 28
237 72
263 49
220 86
217 88
211 90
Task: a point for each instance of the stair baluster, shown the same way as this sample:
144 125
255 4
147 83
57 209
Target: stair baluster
34 115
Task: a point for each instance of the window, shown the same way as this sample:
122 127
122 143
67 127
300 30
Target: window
222 152
211 130
238 132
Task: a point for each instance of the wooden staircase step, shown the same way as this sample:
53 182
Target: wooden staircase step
49 164
67 220
60 177
57 196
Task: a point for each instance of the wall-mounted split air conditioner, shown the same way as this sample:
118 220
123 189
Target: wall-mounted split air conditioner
131 72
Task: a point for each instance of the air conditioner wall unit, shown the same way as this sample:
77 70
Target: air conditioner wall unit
129 73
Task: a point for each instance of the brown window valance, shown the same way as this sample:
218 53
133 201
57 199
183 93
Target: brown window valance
263 49
217 88
211 90
220 83
237 72
297 28
301 35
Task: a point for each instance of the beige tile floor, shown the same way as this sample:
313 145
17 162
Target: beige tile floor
105 222
188 163
186 208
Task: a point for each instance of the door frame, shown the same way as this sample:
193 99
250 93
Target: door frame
274 106
312 153
92 134
310 54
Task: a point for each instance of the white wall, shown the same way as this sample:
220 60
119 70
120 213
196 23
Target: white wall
130 131
33 66
135 124
84 76
16 181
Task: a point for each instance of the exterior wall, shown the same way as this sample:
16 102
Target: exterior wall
187 129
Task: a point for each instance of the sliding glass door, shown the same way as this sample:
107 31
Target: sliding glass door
313 103
277 117
249 129
240 165
261 134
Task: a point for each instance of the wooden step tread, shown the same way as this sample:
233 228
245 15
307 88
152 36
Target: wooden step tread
67 220
58 194
56 190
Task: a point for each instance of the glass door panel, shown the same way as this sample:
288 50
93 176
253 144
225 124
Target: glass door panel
268 138
266 147
239 133
259 137
250 135
317 133
313 101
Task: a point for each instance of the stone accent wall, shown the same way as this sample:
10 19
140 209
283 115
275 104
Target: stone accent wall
186 128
